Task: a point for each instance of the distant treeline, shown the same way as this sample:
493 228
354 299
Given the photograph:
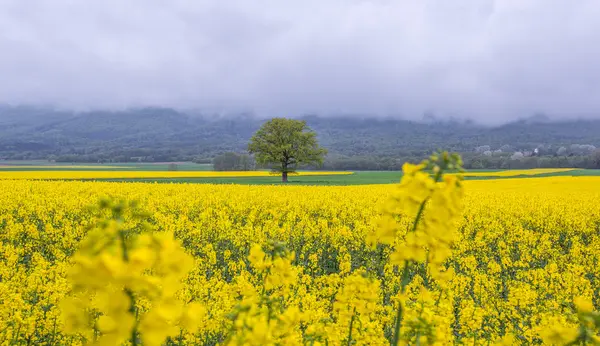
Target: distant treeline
354 143
591 161
241 162
233 162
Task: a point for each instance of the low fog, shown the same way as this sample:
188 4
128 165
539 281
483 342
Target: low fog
491 61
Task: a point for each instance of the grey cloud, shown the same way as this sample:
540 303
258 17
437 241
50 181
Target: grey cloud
488 60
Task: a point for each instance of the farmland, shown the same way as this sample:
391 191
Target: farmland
310 173
203 173
523 266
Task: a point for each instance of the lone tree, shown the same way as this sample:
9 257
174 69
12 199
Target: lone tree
285 144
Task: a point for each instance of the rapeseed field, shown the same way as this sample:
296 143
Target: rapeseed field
432 260
518 172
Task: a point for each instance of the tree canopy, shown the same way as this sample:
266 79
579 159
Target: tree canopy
285 144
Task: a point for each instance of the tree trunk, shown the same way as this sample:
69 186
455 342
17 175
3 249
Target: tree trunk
284 177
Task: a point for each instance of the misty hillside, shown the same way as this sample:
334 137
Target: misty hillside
154 134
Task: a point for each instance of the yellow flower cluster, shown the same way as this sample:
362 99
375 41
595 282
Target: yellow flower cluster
20 167
266 313
302 265
124 284
433 202
103 174
517 172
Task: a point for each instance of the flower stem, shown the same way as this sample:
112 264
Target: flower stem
404 280
129 292
351 324
133 339
398 323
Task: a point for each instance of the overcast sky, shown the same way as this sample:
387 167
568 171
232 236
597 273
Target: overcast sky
484 59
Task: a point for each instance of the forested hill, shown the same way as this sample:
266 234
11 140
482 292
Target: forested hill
154 134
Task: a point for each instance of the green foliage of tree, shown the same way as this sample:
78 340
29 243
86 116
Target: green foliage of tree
285 144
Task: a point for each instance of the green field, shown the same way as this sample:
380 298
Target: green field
357 178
